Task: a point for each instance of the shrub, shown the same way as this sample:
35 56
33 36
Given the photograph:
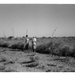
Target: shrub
42 49
48 48
20 46
14 46
10 37
65 51
73 52
5 45
2 44
56 48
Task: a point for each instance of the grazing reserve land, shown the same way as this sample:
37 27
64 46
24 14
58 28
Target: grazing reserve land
55 54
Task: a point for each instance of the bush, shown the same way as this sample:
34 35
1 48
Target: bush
10 37
56 48
2 44
48 48
42 49
65 51
73 52
20 46
5 45
53 47
14 46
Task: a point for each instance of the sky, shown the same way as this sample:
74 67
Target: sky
39 19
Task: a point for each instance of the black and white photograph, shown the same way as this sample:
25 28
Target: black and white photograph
37 37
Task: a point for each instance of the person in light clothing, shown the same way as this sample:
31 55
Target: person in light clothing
34 43
26 45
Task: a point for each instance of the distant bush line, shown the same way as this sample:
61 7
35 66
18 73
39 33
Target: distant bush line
55 48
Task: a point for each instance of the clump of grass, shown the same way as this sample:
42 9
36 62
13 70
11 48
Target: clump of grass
56 49
4 44
20 45
73 52
48 48
65 51
17 46
42 49
14 46
1 43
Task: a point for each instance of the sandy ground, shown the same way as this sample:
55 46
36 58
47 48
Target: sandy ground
13 60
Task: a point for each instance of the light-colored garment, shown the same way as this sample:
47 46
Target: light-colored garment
34 39
27 40
26 44
34 43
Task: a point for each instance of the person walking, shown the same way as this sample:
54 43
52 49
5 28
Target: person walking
34 43
26 44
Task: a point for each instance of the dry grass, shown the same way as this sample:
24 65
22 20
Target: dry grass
58 46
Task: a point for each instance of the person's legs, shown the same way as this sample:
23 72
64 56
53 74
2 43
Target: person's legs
32 47
26 47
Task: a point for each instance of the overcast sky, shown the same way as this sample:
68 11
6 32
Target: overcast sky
40 20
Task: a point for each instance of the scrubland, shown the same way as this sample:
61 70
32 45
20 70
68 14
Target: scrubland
55 54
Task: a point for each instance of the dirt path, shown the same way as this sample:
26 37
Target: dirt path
19 61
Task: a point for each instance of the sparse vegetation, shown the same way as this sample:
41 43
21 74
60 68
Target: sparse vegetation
54 55
10 37
55 47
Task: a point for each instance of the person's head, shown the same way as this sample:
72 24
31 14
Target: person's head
34 37
26 35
